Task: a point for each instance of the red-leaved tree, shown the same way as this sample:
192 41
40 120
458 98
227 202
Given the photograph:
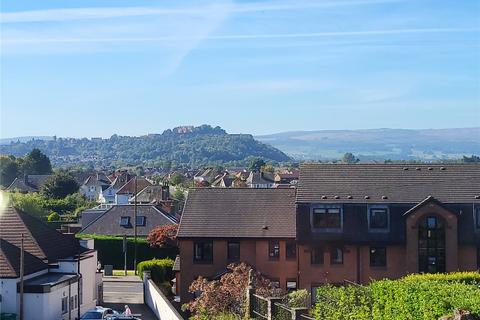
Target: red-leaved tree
162 236
228 294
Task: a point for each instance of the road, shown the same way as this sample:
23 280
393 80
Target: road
119 291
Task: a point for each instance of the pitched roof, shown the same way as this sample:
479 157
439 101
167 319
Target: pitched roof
239 212
99 179
388 183
40 239
10 261
129 187
120 180
108 223
30 183
148 194
427 201
19 184
260 178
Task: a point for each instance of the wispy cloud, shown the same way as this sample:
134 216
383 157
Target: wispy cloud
175 38
51 15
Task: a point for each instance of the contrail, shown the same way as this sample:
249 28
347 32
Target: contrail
250 36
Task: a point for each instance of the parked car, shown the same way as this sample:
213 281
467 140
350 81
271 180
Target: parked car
123 317
98 313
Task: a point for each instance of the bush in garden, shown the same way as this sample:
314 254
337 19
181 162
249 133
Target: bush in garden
426 296
160 269
53 216
298 299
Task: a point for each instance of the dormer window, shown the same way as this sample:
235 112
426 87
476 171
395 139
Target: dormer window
141 221
378 218
124 221
327 217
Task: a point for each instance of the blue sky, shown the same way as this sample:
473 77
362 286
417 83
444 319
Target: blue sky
94 68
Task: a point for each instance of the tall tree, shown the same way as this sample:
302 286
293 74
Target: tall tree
256 164
36 162
59 186
8 170
349 158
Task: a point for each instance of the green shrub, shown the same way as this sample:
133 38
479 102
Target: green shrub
298 299
426 296
110 250
160 269
53 216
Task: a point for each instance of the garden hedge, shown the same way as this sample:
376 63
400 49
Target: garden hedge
160 269
413 297
110 250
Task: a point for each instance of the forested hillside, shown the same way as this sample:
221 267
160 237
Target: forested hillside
184 146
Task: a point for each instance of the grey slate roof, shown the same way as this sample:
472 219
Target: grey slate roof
239 213
109 222
40 240
10 261
30 183
260 178
388 183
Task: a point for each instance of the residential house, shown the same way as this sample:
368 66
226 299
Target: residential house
156 195
129 189
94 185
206 176
220 226
29 183
260 180
60 275
223 181
109 195
287 177
119 220
352 222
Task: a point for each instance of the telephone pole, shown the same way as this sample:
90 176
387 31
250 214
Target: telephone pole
22 268
135 228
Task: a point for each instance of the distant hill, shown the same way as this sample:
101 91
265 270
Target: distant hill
24 139
185 146
378 144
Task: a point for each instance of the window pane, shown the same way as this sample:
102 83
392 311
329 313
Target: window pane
378 256
291 250
326 218
316 256
203 251
378 218
477 211
233 251
141 220
274 250
291 285
337 256
124 221
431 222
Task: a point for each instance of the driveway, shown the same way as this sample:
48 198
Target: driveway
119 291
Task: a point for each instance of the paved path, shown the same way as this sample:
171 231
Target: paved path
119 291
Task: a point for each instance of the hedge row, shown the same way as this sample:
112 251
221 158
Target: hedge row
160 269
413 297
110 250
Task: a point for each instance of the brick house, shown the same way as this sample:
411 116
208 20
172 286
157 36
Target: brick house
220 226
351 222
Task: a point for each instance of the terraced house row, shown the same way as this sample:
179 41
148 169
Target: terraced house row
342 223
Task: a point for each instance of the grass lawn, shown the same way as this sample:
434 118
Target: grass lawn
122 273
